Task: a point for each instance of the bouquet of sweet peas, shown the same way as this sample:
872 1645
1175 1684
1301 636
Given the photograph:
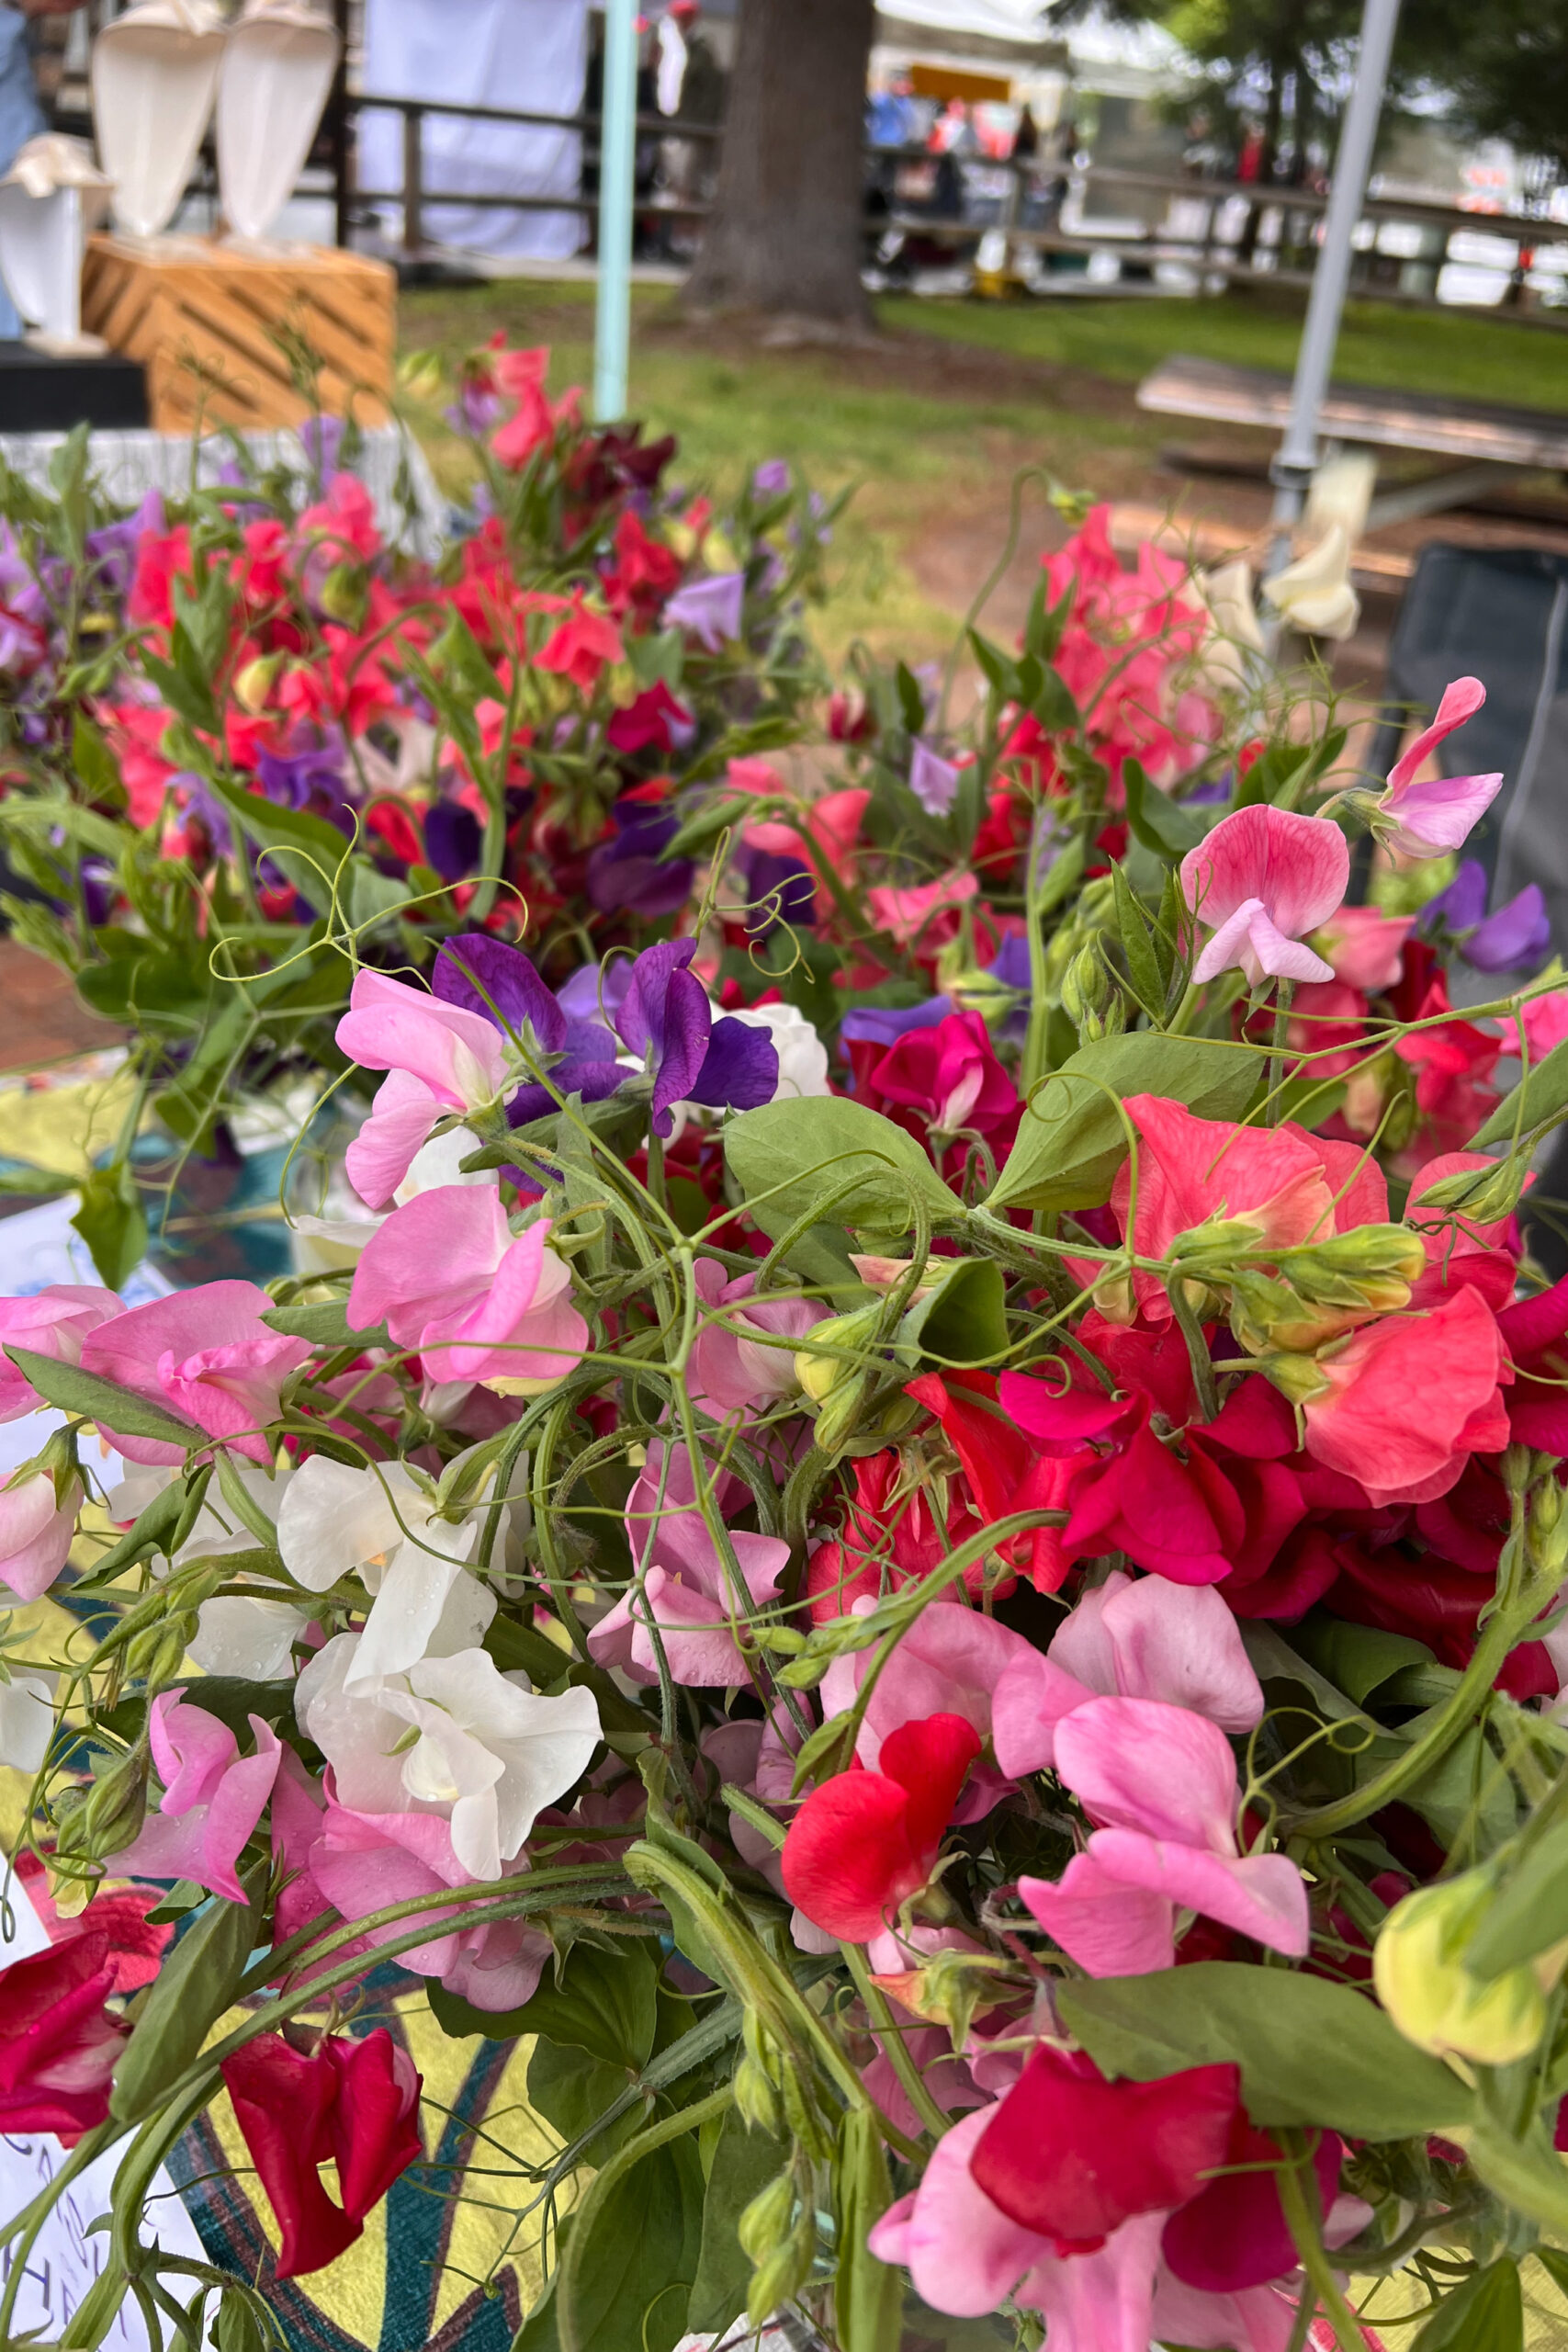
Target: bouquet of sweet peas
961 1549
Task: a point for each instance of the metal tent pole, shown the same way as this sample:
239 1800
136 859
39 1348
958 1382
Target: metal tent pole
1293 469
618 172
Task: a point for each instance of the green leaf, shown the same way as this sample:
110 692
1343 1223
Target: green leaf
965 1319
1000 674
117 1410
185 691
635 2254
911 699
831 1154
1276 776
113 1224
706 826
1072 1140
1485 2314
743 2164
1137 947
1541 1097
1357 1658
1161 823
196 1984
604 2003
573 2092
325 1325
98 770
162 1527
1310 2052
1530 1911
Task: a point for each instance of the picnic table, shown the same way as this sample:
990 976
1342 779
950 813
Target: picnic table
1483 436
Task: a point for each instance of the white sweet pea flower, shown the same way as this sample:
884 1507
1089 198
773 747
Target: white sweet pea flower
26 1720
803 1057
451 1736
1314 593
381 1524
252 1639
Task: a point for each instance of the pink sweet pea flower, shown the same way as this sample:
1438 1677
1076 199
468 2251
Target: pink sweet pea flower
1408 1399
948 1077
441 1057
1366 947
37 1529
863 1841
1160 1784
1265 878
206 1356
1546 1025
909 915
447 1278
1429 820
733 1373
684 1593
950 1662
213 1797
54 1322
1144 1639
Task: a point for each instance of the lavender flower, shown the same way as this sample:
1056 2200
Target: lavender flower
932 780
712 609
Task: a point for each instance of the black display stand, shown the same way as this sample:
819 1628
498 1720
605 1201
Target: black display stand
40 393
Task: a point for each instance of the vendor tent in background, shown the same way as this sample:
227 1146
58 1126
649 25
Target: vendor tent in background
527 54
992 19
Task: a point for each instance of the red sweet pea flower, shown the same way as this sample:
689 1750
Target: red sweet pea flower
118 1911
353 2103
1533 1333
59 2045
1234 2234
646 571
948 1077
1071 2156
581 647
863 1841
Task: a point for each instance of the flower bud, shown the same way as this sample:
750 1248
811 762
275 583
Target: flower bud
765 2224
419 374
783 2275
755 2096
254 682
1482 1196
1299 1377
109 1816
343 596
1422 1982
1086 987
1096 1026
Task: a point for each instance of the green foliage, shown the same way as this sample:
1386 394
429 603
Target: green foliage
1073 1138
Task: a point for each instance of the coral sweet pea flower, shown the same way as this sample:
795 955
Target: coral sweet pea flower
1403 1403
1429 820
1262 880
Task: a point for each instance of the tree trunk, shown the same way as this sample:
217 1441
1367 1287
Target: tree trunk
786 235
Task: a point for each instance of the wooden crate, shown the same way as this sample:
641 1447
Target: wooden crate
200 317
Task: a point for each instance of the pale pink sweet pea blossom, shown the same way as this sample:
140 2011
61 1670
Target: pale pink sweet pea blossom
732 1372
1159 1783
682 1592
905 913
1144 1639
1263 878
37 1527
213 1797
1366 947
207 1357
952 1661
1546 1025
1429 819
441 1058
448 1278
54 1322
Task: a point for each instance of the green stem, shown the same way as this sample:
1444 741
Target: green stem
1299 2212
891 2036
606 2180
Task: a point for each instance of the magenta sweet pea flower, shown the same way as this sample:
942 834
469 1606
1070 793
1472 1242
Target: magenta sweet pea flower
1429 819
448 1279
208 1358
1260 882
213 1797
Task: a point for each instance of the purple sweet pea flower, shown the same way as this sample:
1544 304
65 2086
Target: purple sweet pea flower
475 411
666 1020
320 437
884 1025
1517 936
1011 964
112 550
932 780
771 479
312 776
486 976
596 993
625 875
781 890
712 609
453 840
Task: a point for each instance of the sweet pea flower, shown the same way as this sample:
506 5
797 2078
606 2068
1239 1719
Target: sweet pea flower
59 2044
948 1077
1142 1639
951 1661
667 1022
1264 878
1545 1022
1402 1404
441 1058
824 843
683 1593
803 1057
581 647
1517 936
912 915
731 1372
213 1796
452 1738
55 1321
38 1526
1429 819
352 2104
862 1842
207 1357
1159 1783
26 1720
712 609
932 780
446 1277
362 1863
1365 947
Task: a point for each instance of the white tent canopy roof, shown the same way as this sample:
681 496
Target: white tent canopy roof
1011 20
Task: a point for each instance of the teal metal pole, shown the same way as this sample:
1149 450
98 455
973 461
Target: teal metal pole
617 168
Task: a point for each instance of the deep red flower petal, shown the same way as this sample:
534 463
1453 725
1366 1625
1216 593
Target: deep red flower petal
375 2123
1234 2233
1073 2157
283 2104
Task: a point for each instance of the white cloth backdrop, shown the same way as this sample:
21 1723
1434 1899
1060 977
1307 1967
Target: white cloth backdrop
526 53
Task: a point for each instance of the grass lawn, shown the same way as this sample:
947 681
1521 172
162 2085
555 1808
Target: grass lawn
931 422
